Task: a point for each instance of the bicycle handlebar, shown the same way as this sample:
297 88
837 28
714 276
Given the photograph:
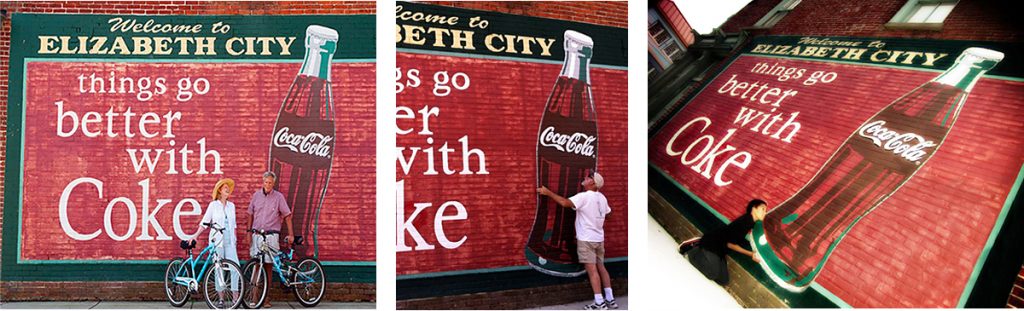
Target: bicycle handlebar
214 226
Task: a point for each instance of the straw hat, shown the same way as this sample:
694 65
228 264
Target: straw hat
223 182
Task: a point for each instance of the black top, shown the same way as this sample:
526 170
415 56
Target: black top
735 233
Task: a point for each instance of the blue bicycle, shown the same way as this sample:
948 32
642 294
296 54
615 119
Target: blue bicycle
305 279
222 288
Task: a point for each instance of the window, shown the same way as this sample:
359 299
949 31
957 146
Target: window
665 44
776 14
922 14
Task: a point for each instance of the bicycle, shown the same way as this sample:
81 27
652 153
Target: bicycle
307 277
180 282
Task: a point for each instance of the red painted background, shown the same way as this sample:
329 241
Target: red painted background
931 231
236 118
500 114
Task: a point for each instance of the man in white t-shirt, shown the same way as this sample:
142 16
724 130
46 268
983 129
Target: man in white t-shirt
591 208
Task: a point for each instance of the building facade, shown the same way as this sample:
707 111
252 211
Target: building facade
837 68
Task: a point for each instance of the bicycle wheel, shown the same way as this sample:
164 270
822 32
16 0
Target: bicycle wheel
255 280
177 294
222 286
308 282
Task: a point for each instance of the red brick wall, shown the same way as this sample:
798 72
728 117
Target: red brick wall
163 8
603 13
969 20
678 23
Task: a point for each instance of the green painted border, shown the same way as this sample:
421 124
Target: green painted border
482 271
340 271
996 228
969 286
502 58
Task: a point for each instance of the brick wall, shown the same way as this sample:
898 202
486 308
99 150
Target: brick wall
143 291
27 290
499 114
969 20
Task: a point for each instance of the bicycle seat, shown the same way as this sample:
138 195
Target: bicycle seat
186 245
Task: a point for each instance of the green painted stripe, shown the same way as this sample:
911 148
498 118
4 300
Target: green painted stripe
693 196
996 77
255 61
482 271
828 294
969 287
504 58
164 261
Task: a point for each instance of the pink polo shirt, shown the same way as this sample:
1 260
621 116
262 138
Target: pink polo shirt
268 210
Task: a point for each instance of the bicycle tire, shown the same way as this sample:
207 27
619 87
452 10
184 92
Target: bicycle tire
318 276
254 265
208 280
169 275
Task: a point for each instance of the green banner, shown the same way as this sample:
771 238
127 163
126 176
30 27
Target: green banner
191 37
454 30
908 53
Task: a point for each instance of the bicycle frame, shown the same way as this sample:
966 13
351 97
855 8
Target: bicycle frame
277 258
191 262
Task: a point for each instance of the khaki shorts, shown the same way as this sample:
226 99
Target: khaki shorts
257 240
590 252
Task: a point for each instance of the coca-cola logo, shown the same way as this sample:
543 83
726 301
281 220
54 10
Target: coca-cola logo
576 143
909 146
313 143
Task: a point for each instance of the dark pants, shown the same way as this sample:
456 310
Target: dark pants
710 264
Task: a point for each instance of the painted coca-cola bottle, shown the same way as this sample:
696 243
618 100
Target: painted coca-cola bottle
796 238
302 144
566 154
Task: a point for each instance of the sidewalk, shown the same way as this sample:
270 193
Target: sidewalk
195 304
623 302
677 282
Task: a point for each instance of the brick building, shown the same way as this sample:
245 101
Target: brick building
887 257
73 248
463 237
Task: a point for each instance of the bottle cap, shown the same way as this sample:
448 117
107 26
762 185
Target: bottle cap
981 57
322 32
576 41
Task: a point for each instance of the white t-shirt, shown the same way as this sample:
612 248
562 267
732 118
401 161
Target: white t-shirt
591 207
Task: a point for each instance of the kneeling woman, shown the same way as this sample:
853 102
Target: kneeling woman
707 253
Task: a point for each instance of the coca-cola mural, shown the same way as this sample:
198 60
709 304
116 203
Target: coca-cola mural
115 140
524 103
880 160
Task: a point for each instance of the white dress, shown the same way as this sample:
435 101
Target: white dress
224 217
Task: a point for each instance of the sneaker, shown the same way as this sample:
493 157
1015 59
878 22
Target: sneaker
596 306
610 304
687 245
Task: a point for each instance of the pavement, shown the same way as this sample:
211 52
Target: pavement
195 304
678 283
622 301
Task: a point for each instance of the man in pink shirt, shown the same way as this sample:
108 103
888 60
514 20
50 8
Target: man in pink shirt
267 209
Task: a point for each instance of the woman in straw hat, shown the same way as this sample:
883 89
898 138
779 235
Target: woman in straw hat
222 213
